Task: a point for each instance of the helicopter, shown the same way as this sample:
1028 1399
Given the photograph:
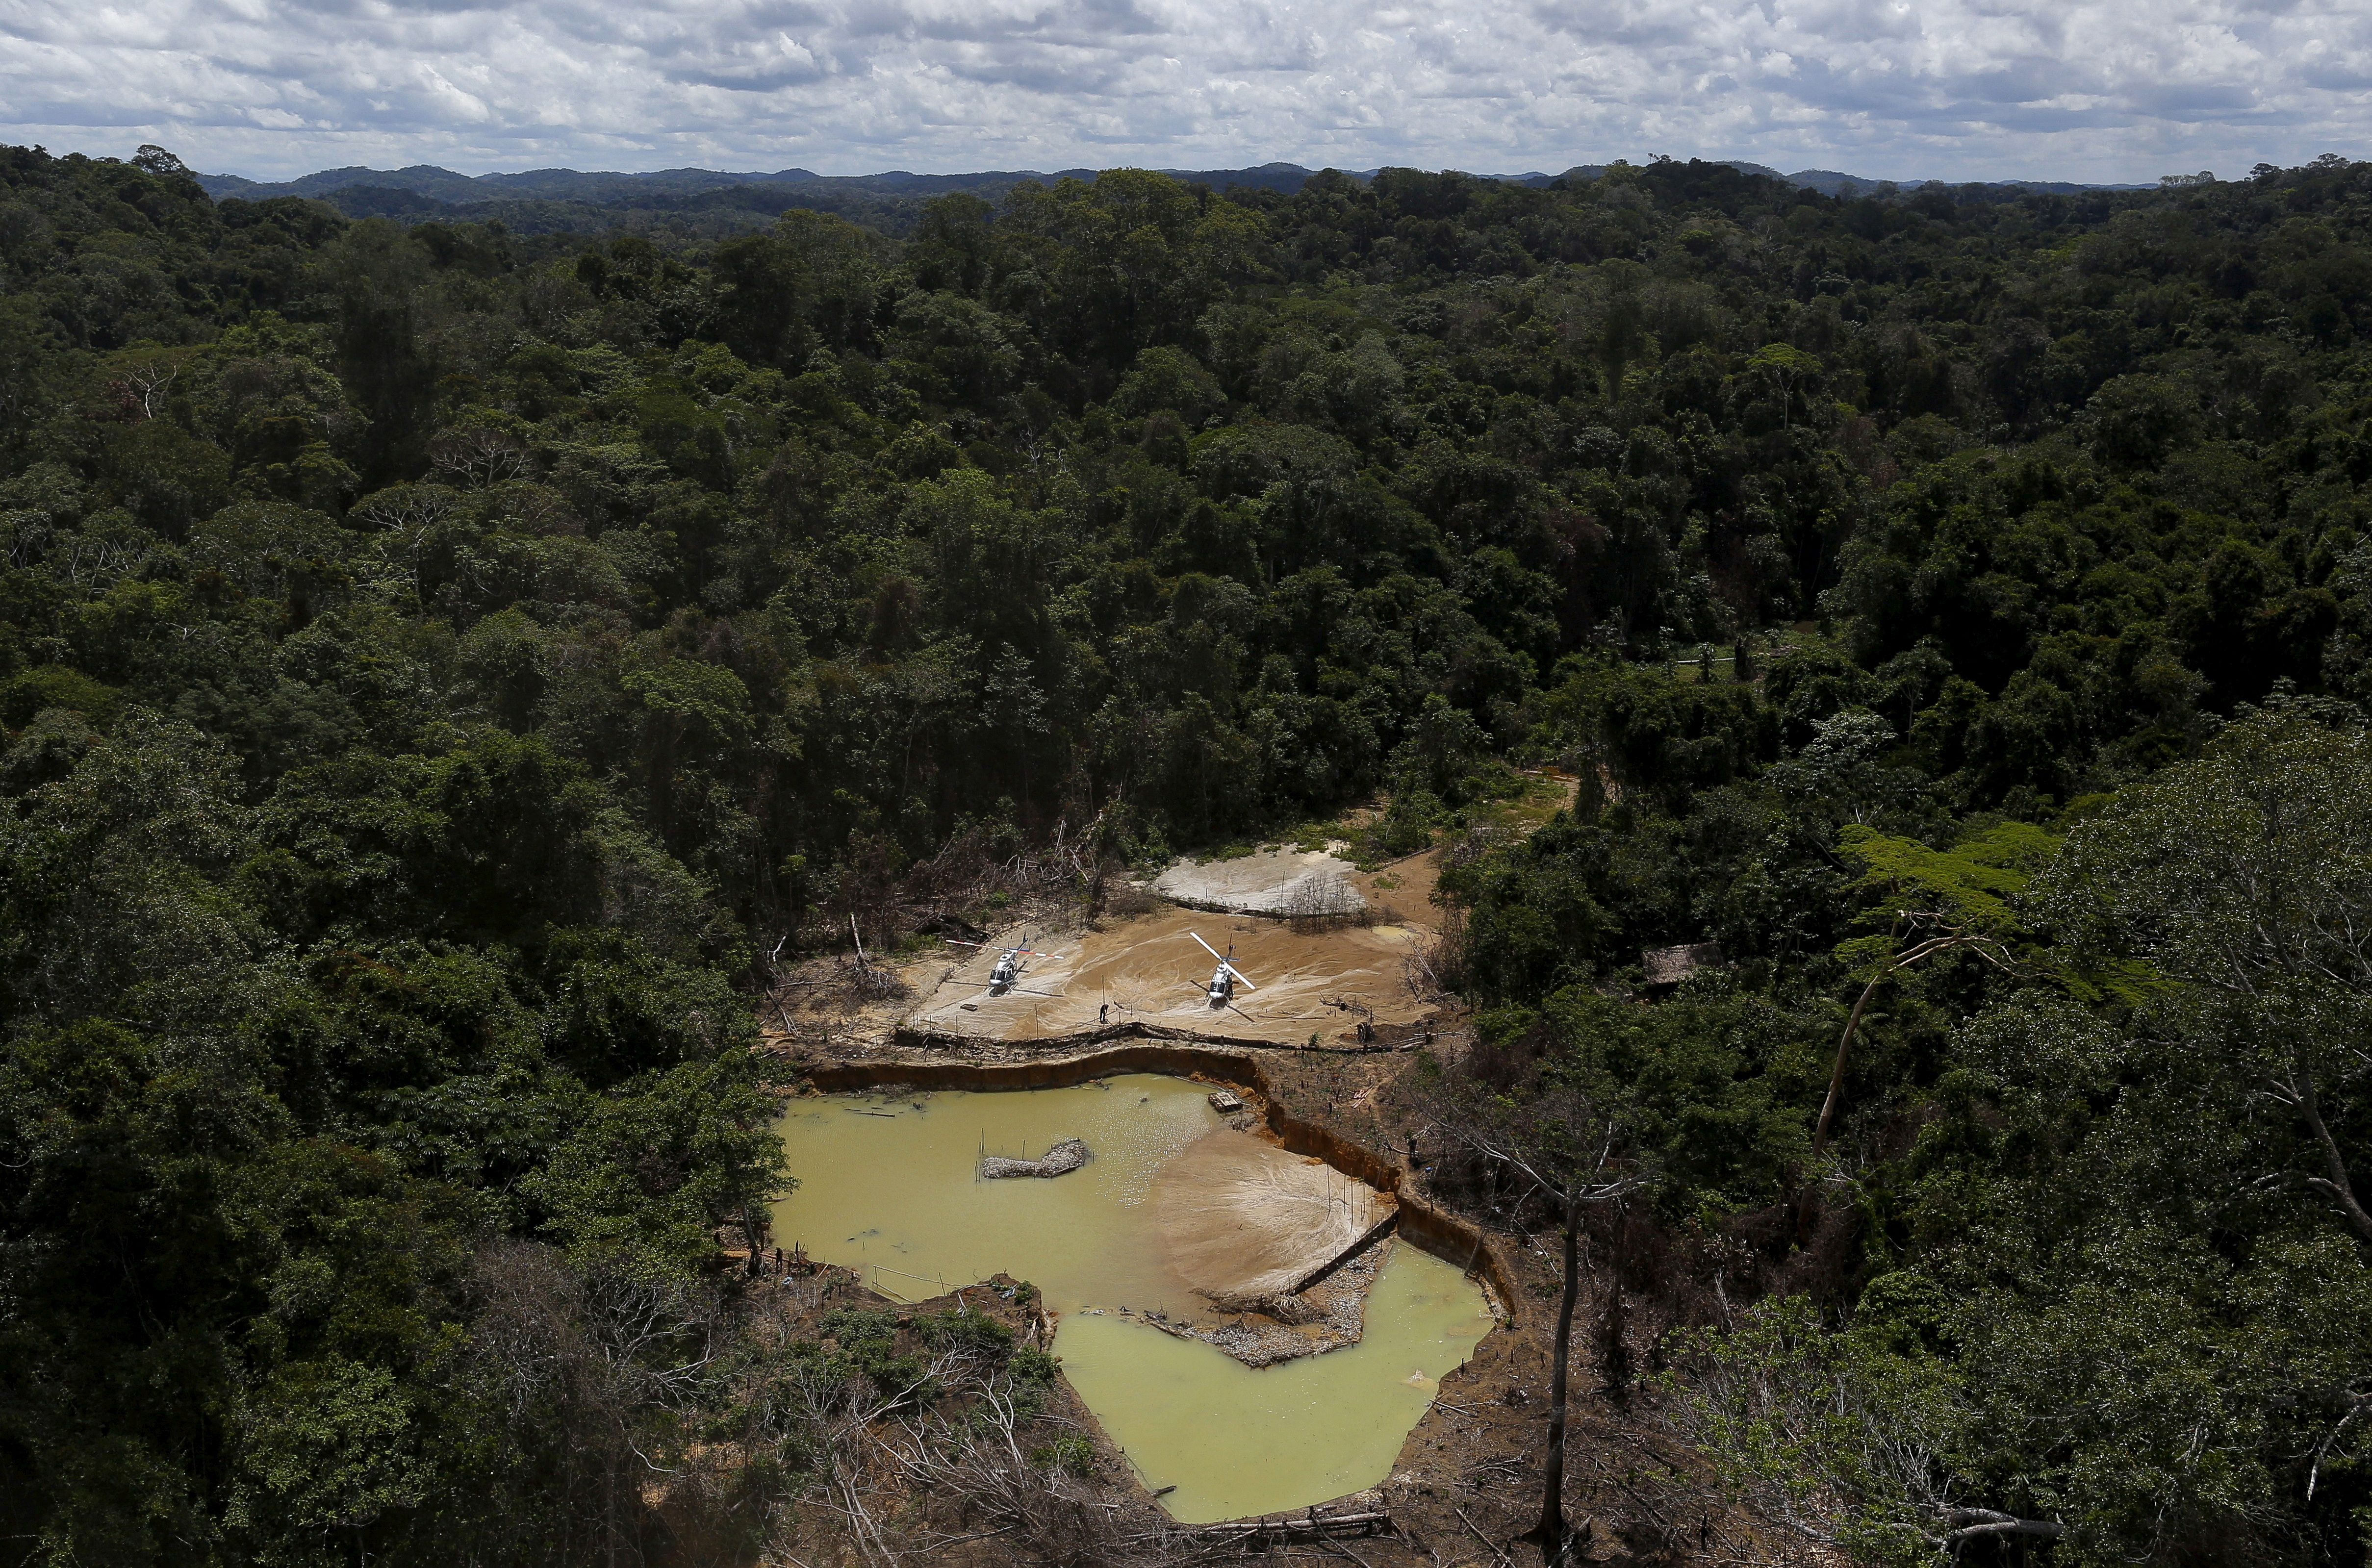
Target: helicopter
1221 992
1007 973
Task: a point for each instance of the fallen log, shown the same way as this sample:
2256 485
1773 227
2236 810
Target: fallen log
1293 1528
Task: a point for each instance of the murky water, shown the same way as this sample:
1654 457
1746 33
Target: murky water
887 1186
1235 1441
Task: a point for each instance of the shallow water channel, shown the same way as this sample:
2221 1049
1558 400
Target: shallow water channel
887 1186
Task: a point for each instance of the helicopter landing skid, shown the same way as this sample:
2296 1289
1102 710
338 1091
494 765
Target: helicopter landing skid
1230 1006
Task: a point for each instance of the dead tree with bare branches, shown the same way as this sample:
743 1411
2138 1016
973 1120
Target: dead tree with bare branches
1566 1138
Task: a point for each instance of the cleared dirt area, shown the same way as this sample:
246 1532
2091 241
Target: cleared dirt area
1401 891
1150 971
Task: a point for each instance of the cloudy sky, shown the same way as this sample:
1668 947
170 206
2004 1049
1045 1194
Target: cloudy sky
2076 89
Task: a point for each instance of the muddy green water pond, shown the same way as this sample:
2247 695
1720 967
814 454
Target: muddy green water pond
887 1186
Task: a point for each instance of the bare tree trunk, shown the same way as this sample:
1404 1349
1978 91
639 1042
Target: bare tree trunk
1614 1326
2336 1185
754 1228
1957 937
1551 1529
1837 1078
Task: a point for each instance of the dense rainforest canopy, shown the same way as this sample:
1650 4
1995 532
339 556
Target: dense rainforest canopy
437 664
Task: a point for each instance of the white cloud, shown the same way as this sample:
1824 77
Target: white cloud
1950 88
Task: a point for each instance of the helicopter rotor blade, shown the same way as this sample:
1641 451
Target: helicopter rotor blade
1206 946
1238 974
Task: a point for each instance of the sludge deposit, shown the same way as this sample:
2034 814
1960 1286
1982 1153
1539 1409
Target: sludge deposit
1246 1224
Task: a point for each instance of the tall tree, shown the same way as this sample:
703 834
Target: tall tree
1563 1134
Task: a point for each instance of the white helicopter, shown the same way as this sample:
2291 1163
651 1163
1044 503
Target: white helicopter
1221 992
1007 973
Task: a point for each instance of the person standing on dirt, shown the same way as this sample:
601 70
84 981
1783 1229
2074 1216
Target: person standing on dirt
1103 1014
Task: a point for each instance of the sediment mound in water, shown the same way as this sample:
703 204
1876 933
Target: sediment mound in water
1063 1159
1243 1221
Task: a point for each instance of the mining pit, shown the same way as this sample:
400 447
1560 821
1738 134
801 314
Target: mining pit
1209 1402
1195 1259
1227 1308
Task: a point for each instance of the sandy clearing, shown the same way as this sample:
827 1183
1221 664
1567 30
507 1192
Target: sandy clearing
1149 969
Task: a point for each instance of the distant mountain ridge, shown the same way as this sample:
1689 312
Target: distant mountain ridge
571 185
694 203
1830 183
449 188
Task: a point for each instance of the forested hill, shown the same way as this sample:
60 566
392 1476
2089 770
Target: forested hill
434 664
676 204
711 204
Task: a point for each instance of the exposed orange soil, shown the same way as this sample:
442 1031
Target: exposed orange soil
1404 889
